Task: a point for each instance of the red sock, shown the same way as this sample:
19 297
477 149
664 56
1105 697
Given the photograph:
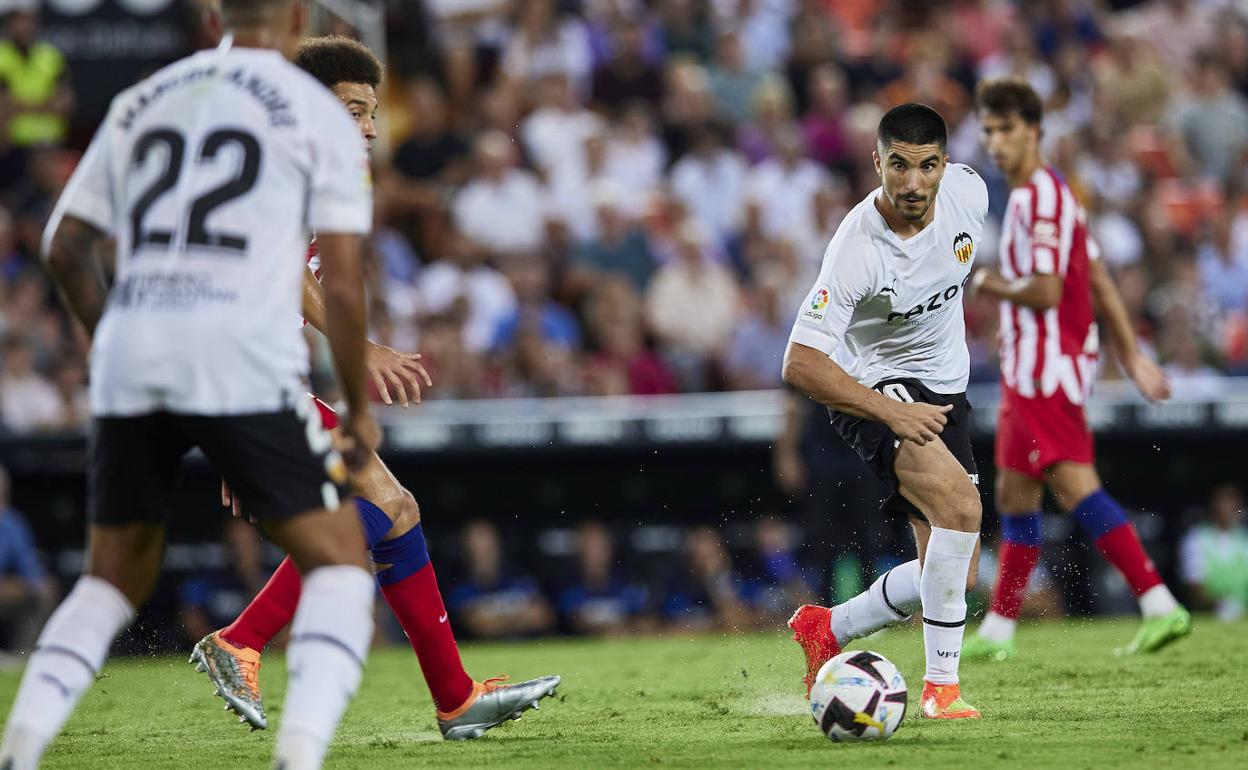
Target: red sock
1017 562
270 611
1121 547
417 604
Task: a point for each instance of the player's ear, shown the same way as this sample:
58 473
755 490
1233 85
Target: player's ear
879 167
213 25
298 18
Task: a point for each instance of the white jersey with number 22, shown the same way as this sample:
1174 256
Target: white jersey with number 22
211 175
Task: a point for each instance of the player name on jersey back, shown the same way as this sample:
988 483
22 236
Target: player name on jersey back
211 175
884 307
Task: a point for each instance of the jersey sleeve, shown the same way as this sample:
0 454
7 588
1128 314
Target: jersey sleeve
89 195
1046 225
845 280
341 195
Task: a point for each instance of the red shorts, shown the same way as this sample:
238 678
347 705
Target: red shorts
329 418
1036 433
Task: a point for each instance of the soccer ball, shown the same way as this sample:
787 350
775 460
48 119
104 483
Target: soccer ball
858 696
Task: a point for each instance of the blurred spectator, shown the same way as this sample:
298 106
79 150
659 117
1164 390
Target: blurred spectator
547 42
627 76
1212 120
490 602
771 114
534 309
635 159
557 128
1223 270
619 248
828 94
692 305
757 349
710 182
622 364
35 95
212 598
28 401
686 27
1213 556
471 34
603 600
781 193
71 386
27 592
1131 82
780 583
476 296
708 593
733 82
499 209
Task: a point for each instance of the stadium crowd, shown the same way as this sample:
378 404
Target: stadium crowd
617 196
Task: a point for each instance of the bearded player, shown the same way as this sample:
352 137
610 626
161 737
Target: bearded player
231 656
1051 282
881 341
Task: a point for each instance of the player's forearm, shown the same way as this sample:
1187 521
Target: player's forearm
313 301
1038 292
1113 312
346 315
70 260
810 371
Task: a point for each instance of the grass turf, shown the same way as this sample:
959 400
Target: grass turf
712 701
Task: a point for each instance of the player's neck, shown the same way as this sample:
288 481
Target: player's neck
1022 175
263 37
905 228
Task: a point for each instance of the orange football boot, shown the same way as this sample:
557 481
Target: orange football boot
812 629
944 701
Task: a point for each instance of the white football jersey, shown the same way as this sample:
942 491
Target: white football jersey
211 175
887 308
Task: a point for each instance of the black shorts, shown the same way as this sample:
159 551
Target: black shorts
877 445
278 463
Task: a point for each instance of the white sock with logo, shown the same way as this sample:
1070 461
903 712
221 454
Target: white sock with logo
892 598
68 655
942 588
329 640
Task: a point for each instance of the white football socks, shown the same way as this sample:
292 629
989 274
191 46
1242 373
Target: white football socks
892 598
997 628
1157 601
329 640
68 655
943 591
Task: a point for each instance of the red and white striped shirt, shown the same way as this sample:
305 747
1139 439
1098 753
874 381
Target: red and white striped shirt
1044 351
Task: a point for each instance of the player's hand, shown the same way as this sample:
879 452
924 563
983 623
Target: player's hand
360 436
918 422
789 472
396 374
977 282
1153 383
228 500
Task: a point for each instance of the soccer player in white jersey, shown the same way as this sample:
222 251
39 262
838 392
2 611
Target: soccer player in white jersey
211 175
881 341
1052 285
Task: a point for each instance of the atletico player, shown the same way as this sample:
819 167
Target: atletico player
230 657
1052 284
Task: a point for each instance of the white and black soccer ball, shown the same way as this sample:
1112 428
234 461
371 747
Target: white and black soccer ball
858 696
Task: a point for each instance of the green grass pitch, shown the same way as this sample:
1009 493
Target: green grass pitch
713 701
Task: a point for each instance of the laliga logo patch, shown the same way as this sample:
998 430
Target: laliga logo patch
962 246
816 310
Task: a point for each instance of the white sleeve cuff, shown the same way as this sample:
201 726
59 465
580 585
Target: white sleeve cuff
813 338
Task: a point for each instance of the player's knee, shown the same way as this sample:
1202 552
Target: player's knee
965 511
403 510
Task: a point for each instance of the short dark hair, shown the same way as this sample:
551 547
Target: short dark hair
1009 96
335 59
913 123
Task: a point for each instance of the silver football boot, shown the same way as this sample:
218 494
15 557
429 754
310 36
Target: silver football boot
235 672
496 703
